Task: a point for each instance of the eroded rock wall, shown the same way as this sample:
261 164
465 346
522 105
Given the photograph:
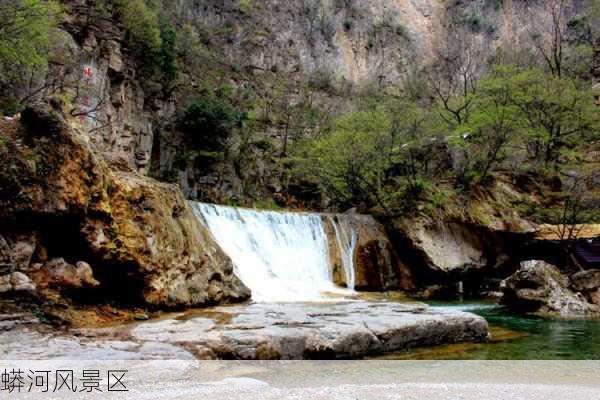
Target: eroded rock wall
60 199
375 263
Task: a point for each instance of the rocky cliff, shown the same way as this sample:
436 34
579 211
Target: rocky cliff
325 51
69 221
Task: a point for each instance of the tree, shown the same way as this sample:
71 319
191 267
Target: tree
143 32
351 160
412 136
209 121
26 28
552 39
495 121
556 112
453 76
577 206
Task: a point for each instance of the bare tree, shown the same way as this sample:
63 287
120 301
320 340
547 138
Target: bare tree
551 38
452 78
579 207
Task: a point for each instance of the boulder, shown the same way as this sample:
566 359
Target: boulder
460 253
446 247
308 331
539 287
16 282
584 281
16 251
588 283
139 234
61 274
21 282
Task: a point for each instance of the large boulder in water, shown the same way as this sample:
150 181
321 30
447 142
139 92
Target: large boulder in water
140 237
588 283
539 287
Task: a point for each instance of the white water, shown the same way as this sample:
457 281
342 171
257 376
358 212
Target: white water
280 256
346 238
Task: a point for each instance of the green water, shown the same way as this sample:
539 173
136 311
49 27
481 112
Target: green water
520 337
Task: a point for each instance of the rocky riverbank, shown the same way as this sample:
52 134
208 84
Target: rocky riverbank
541 288
259 331
71 226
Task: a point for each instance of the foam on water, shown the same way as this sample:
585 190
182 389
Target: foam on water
280 256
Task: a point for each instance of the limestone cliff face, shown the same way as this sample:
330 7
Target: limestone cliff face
333 44
356 41
97 73
60 199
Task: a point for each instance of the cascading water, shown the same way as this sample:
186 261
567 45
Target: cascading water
346 238
280 256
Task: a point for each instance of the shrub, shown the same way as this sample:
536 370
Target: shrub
209 121
142 25
246 6
348 24
28 30
402 31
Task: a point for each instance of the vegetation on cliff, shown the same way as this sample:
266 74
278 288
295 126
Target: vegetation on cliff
430 137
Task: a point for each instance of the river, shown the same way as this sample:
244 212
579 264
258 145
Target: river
517 337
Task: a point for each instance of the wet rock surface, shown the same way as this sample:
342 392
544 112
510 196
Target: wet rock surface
271 331
375 262
70 221
540 287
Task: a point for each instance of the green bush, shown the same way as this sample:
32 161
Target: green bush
246 6
209 121
142 25
28 32
168 62
348 24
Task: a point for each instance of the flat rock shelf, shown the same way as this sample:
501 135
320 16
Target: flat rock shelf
336 330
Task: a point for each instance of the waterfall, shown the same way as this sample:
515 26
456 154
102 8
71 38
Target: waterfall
280 256
346 238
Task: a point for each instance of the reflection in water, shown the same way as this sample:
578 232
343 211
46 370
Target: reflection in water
519 337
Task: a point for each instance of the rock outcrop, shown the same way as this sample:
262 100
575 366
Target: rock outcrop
587 283
63 207
301 331
539 287
375 262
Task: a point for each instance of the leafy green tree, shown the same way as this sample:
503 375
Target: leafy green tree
168 57
209 121
351 160
192 53
143 31
142 24
557 113
413 134
495 122
26 29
